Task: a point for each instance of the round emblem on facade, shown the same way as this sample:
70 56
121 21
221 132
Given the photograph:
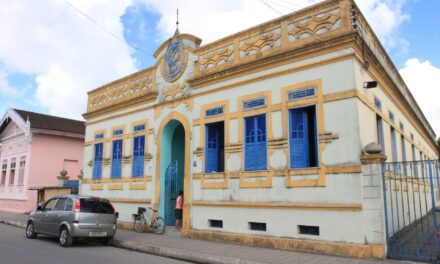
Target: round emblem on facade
175 60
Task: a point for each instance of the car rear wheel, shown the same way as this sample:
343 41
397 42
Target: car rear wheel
65 238
30 230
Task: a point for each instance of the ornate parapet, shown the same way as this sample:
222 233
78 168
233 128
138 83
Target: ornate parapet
123 90
308 25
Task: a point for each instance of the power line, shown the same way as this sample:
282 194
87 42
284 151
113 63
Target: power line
272 8
104 29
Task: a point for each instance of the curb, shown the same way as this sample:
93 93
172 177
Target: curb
179 253
166 252
13 223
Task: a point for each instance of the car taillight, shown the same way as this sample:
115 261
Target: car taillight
77 206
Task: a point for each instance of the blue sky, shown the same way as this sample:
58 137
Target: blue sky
49 60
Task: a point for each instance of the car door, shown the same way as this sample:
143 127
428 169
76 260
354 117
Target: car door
55 216
44 226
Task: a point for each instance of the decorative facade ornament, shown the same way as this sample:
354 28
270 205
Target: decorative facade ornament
174 63
257 44
172 92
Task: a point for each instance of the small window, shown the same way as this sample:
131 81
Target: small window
257 226
118 132
412 136
214 111
391 116
138 128
301 93
215 148
308 230
61 204
378 103
254 103
49 205
99 136
69 205
216 223
401 126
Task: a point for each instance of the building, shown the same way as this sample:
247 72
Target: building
263 130
34 149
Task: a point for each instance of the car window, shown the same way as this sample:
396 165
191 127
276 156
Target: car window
61 203
69 205
95 205
49 205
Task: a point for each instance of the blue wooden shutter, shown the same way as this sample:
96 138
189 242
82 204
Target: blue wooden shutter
116 159
380 132
299 139
261 142
255 143
212 148
97 164
138 156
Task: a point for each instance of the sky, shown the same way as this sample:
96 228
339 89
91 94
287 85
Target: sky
53 51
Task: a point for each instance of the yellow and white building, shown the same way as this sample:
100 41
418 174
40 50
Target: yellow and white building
263 130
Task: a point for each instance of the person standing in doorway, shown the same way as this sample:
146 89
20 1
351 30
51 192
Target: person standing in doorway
178 210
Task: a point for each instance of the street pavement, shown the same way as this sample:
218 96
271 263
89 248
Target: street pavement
172 245
15 248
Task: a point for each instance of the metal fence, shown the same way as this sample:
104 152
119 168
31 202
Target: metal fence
411 197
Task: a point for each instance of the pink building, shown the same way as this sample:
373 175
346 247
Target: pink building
34 148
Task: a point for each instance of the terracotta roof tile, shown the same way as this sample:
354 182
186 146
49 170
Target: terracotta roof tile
53 123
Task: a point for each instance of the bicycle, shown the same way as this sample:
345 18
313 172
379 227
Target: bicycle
148 221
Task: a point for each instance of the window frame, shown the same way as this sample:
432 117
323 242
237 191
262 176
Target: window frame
206 147
266 142
316 132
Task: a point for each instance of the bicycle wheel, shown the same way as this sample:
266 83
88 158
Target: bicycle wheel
139 224
159 226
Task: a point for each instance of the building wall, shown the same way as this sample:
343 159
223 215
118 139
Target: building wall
45 156
15 145
307 194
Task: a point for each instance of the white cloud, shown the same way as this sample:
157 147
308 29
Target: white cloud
423 80
212 20
385 17
69 54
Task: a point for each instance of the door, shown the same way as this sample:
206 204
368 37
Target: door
299 139
171 192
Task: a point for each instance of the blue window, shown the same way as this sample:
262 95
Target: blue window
414 164
116 159
255 148
303 138
139 128
214 157
302 93
138 156
118 132
255 103
378 103
99 136
391 115
97 161
379 127
401 126
412 136
214 111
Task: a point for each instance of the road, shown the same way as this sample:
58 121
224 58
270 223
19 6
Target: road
15 248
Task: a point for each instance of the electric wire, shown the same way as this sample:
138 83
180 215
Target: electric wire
104 29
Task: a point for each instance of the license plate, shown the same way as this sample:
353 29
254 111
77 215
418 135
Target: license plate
97 234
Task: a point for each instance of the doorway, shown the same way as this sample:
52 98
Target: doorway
172 163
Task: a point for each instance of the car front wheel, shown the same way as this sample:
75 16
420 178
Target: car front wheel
65 238
30 230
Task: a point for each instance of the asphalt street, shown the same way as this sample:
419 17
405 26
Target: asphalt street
15 248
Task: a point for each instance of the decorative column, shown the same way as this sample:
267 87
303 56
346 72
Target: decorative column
373 200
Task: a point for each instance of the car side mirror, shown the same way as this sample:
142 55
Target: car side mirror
39 207
117 214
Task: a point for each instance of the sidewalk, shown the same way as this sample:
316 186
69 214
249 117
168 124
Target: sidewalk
172 245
